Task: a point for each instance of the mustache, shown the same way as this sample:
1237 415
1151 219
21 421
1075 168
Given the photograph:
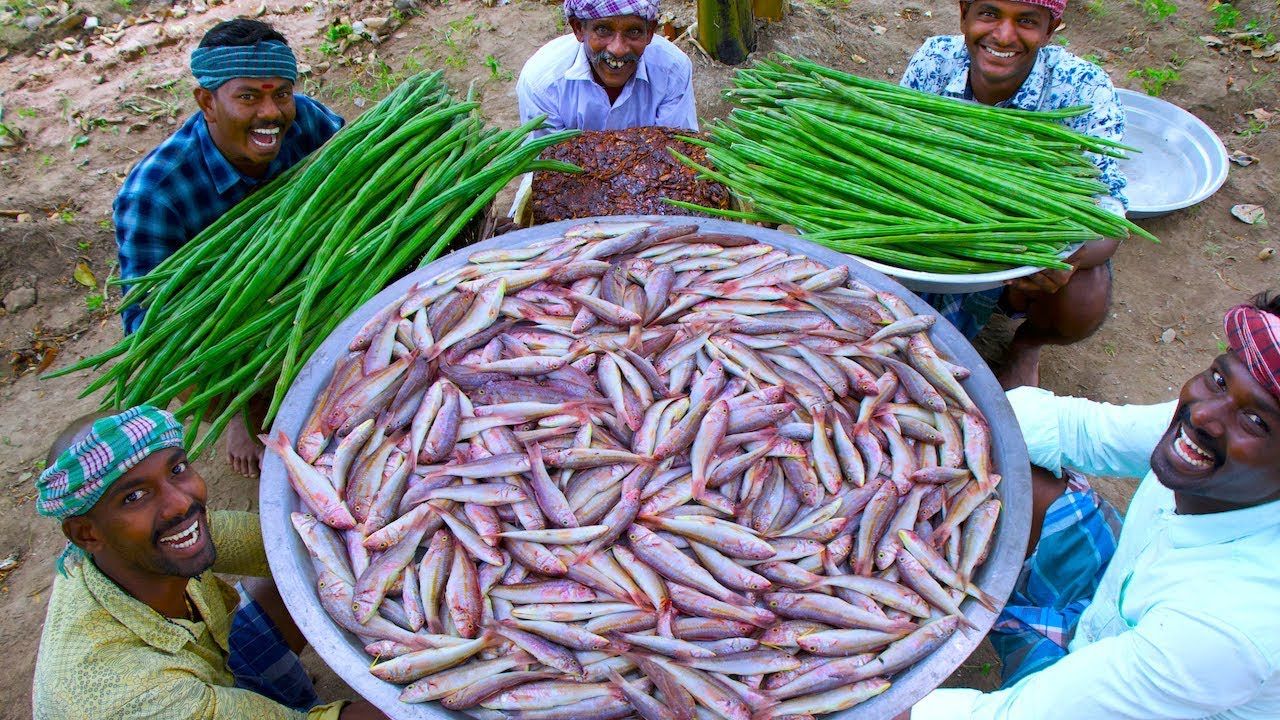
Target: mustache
628 58
196 509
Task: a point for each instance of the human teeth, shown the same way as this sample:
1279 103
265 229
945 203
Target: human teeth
184 539
1004 55
1190 452
268 131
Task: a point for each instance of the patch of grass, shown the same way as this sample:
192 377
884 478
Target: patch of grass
1255 127
67 217
1154 80
46 160
1223 347
28 112
328 48
1110 349
106 224
94 301
1225 16
1158 10
381 80
496 71
78 142
456 39
1096 8
124 5
1094 58
337 32
1212 250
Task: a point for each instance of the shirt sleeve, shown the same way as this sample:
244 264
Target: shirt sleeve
148 230
677 108
237 537
320 123
925 71
536 101
181 695
1106 120
1095 438
1172 665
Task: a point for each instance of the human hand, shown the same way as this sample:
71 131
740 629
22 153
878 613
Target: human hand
1045 282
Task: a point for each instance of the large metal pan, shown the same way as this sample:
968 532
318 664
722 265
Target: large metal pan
1182 161
291 566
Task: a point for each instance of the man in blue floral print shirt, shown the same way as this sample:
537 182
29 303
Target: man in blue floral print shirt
1004 58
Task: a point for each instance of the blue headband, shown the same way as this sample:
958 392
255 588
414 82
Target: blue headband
214 66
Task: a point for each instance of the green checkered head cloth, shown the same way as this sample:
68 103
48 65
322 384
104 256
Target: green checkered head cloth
75 482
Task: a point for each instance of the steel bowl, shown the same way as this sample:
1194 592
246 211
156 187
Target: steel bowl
1182 161
931 282
293 573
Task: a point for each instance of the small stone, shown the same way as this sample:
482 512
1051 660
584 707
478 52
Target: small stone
858 59
879 29
375 24
402 5
179 12
23 218
304 69
20 299
99 79
1168 336
31 23
322 67
91 23
1266 254
199 8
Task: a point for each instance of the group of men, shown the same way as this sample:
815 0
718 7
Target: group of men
1171 617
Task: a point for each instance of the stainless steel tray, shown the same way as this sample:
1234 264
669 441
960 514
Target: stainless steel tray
1182 161
291 566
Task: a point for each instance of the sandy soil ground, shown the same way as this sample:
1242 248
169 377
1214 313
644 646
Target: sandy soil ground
90 103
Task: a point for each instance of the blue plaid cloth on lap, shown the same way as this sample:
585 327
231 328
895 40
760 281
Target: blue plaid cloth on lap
186 183
262 661
1057 582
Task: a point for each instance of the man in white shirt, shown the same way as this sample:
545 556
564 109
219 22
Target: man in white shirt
612 73
1185 622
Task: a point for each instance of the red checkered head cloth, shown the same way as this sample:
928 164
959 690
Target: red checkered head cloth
1254 336
596 9
1055 7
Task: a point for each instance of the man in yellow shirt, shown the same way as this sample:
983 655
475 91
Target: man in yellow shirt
139 626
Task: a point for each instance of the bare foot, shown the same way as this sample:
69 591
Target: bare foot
243 450
1021 367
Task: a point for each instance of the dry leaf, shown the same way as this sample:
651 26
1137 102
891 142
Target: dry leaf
1241 158
84 276
1266 254
1250 214
50 354
1262 115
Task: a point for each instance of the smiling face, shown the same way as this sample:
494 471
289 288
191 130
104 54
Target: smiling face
1003 38
151 523
1222 450
248 118
614 46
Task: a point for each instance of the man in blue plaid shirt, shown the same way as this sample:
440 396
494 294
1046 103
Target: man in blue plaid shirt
1004 57
251 127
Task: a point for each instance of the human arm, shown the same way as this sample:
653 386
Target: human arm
537 100
1095 438
237 537
929 68
677 109
1171 665
317 122
1105 120
148 230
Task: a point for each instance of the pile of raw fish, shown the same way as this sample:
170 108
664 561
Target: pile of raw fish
643 470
